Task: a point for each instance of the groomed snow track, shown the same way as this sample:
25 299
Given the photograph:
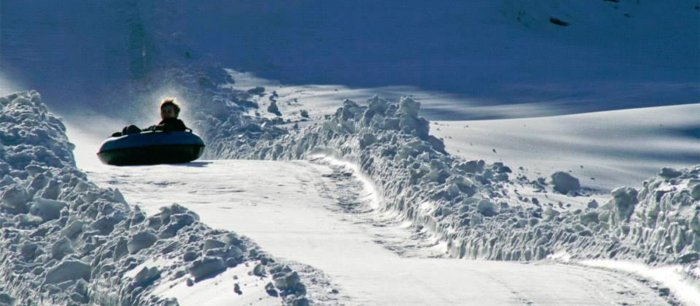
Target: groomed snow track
65 241
320 213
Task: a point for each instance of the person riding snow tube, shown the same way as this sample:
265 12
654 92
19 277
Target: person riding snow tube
151 148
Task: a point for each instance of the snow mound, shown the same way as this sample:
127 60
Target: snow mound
64 241
664 214
472 205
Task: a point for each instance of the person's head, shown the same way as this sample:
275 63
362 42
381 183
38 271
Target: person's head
169 109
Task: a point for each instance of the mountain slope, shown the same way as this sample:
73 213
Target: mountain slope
611 55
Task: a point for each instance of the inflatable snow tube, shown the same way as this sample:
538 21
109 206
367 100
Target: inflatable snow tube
151 148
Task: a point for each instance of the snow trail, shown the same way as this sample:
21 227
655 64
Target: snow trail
289 210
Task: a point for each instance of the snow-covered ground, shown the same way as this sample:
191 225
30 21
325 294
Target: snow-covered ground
320 213
291 210
380 224
319 100
66 241
294 210
604 149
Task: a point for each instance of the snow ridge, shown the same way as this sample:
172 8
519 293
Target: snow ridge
468 203
64 241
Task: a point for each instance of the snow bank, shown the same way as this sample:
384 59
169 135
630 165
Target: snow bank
472 205
64 241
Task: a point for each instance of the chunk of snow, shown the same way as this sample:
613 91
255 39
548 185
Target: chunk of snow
565 183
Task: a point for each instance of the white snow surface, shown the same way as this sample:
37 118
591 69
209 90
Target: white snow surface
320 100
432 196
670 276
340 204
603 149
292 209
118 58
66 241
480 210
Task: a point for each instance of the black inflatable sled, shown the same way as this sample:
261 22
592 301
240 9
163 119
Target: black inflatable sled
151 148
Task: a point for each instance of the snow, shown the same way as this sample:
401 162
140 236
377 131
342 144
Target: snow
604 149
385 183
216 291
285 207
492 53
392 145
431 232
670 276
67 241
324 99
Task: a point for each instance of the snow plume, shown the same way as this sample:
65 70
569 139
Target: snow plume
474 206
65 241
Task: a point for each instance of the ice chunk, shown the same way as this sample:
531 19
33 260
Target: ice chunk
408 107
68 270
273 109
472 166
565 183
207 267
141 241
6 299
486 208
47 209
29 250
669 173
146 277
61 248
695 192
624 200
213 244
14 200
589 218
286 281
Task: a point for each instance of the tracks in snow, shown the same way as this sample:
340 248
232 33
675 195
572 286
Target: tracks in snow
319 213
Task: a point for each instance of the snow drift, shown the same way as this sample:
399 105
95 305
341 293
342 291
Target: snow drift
65 241
473 206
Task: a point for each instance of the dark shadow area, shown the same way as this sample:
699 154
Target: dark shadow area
195 164
500 52
690 131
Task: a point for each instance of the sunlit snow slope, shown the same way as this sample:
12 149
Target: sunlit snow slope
294 210
286 208
604 149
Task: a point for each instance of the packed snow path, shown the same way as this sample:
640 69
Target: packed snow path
292 210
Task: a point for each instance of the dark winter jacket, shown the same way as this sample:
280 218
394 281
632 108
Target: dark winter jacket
170 125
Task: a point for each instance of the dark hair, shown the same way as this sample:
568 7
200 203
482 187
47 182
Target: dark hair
170 101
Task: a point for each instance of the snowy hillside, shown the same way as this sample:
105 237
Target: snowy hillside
159 269
447 195
604 149
611 55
